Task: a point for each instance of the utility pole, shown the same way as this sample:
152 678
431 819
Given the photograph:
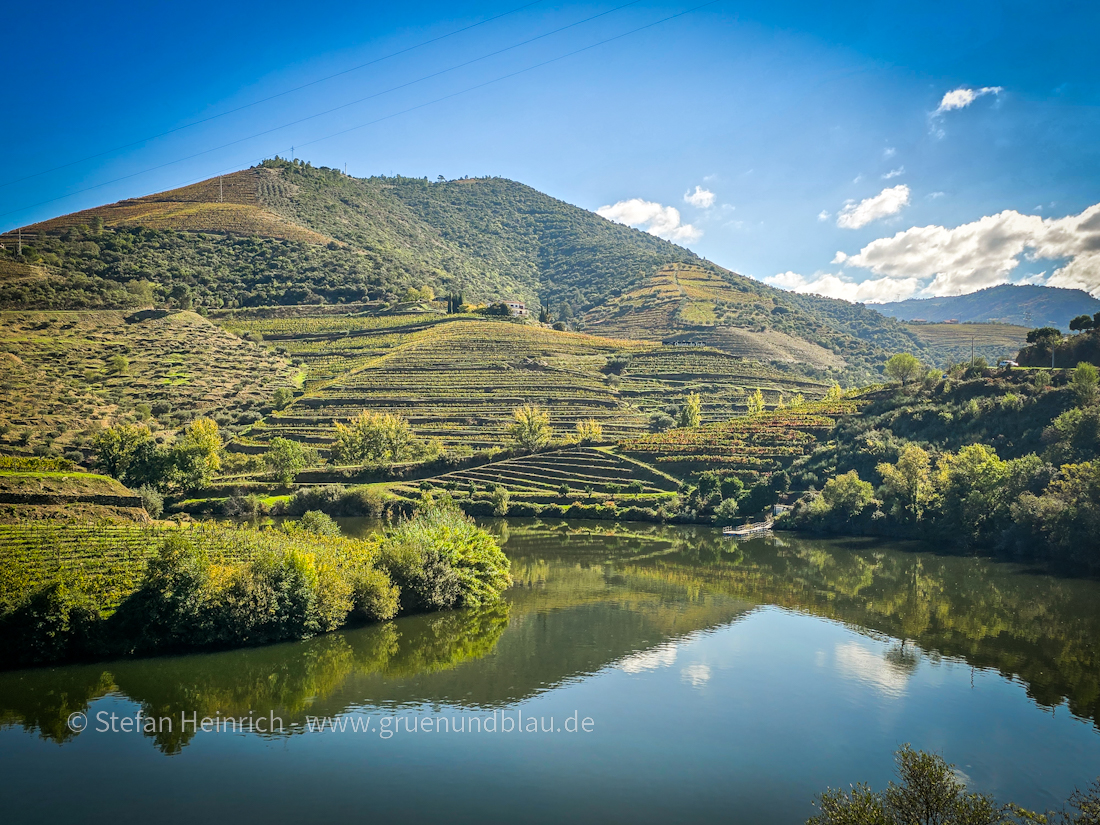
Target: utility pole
972 337
221 191
19 244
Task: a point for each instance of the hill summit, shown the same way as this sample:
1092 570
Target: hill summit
285 233
1028 305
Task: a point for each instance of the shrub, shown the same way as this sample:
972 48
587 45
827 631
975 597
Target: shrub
441 559
726 512
151 500
314 521
500 499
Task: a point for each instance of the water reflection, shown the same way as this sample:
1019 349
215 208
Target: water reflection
594 597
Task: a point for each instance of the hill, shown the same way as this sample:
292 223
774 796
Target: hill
952 343
285 233
1029 306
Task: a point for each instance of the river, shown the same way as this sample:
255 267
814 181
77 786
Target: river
670 676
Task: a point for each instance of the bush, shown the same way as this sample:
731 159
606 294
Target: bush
314 521
441 559
151 500
726 512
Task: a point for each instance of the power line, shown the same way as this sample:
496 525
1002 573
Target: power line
392 115
330 111
269 97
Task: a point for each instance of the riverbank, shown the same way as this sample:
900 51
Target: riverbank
73 591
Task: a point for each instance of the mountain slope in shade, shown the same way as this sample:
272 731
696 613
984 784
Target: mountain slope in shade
1030 306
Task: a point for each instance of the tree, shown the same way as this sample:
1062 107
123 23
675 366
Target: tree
755 402
691 414
589 431
118 447
1045 336
1081 323
930 792
907 485
971 490
287 458
1084 382
373 438
500 498
197 455
118 365
282 398
904 367
726 511
530 427
848 493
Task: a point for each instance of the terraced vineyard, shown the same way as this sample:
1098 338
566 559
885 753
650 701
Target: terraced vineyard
686 304
662 377
455 378
952 343
749 447
585 471
458 377
230 204
66 372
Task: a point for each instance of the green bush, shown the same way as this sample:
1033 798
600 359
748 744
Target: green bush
441 559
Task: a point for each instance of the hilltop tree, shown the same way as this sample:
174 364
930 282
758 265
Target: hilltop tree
1082 323
904 367
530 427
691 414
1045 336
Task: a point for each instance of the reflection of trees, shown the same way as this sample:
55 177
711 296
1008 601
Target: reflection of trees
285 679
1040 629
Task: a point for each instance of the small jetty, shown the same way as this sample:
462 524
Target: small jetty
754 529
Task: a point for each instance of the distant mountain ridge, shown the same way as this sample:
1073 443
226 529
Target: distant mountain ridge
285 233
1027 305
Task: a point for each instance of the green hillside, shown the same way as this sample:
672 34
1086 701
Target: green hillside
1030 306
285 233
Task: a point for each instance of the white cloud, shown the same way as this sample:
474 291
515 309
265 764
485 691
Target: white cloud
962 97
823 215
697 675
660 656
855 661
834 286
663 221
985 252
701 197
885 203
894 173
934 195
889 152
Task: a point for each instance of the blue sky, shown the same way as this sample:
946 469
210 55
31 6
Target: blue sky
809 129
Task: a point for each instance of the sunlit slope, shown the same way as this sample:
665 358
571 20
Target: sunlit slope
459 377
951 343
688 305
231 204
459 380
68 373
287 234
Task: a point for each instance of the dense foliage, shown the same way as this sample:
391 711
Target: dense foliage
220 586
930 791
1003 461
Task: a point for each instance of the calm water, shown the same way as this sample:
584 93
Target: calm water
720 682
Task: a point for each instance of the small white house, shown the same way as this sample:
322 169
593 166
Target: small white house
516 307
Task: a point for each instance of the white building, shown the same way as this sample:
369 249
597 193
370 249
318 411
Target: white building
516 307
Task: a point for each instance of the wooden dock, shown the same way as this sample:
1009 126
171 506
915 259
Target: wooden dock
754 529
